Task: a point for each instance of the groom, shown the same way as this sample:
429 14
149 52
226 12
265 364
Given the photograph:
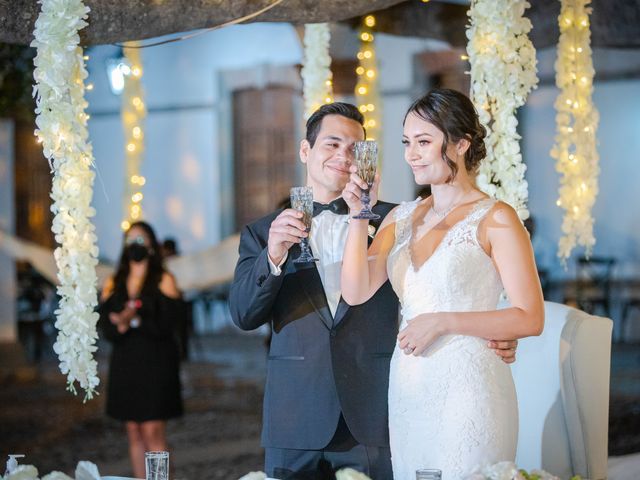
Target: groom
325 401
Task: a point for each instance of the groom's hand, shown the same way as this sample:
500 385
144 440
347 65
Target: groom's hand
504 349
285 230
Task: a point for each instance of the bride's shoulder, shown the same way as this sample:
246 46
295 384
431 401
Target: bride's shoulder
404 209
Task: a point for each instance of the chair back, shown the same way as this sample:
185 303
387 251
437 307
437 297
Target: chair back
562 382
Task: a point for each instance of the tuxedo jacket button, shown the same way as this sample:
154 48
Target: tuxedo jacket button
333 333
261 280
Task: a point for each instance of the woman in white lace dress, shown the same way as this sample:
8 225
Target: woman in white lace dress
452 402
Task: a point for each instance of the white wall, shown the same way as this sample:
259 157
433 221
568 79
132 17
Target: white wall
617 208
181 165
185 152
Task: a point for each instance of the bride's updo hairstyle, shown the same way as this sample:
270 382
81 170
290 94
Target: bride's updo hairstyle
454 115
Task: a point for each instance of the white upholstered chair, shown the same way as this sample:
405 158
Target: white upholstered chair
562 380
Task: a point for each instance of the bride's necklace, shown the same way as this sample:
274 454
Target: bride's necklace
448 210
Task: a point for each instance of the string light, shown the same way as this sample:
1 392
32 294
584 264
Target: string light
366 90
133 114
575 151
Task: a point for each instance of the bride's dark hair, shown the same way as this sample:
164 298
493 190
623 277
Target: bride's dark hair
454 115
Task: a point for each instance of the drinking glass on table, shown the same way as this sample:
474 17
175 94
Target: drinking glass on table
302 200
157 465
366 158
428 474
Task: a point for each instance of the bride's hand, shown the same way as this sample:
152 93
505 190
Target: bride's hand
352 192
421 332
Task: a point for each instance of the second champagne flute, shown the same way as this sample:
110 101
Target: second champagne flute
302 200
366 157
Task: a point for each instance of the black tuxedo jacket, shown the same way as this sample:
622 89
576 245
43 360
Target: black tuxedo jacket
318 365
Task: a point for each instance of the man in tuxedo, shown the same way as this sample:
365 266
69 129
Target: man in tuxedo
325 401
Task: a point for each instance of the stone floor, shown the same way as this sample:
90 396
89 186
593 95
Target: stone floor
218 437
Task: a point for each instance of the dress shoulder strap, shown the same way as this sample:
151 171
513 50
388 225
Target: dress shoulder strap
403 215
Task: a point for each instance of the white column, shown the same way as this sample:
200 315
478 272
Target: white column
7 224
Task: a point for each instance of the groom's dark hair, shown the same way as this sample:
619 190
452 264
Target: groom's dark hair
336 108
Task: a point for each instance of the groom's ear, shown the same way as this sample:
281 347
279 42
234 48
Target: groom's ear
305 148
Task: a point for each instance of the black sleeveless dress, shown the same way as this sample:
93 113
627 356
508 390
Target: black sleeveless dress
144 377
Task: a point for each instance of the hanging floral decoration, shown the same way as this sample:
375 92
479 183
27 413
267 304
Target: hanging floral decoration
133 115
367 96
576 124
503 73
316 71
62 129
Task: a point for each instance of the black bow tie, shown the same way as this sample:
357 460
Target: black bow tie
338 206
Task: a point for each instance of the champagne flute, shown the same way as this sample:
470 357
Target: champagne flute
302 200
366 156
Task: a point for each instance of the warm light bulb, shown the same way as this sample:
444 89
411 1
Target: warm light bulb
362 90
125 225
90 86
370 21
360 70
371 73
371 107
131 147
368 54
363 108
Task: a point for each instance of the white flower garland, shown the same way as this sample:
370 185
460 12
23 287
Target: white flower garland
133 115
503 72
62 130
576 124
316 71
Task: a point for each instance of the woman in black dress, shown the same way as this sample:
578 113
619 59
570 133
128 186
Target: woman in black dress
139 314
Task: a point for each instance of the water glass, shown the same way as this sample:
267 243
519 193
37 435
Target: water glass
157 465
428 474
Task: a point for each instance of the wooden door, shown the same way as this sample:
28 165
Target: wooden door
265 150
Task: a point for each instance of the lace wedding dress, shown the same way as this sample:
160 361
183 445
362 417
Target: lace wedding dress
453 408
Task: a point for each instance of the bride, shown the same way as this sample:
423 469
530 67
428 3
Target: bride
452 403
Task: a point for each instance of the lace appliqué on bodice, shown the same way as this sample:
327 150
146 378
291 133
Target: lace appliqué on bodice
454 408
458 276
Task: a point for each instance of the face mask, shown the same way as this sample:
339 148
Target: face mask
137 252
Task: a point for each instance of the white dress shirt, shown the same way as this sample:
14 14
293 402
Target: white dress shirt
328 236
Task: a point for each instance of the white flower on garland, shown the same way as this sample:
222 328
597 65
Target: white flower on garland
503 72
62 130
576 124
316 71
